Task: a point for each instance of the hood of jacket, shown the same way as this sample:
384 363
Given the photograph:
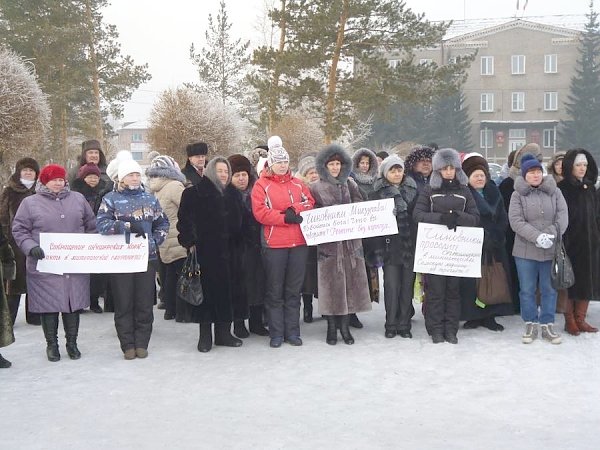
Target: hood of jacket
548 185
591 175
371 175
321 164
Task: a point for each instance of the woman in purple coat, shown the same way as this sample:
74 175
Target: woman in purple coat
54 209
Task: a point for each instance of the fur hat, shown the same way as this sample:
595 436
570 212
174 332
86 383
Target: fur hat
239 163
51 172
257 153
276 155
442 158
388 163
418 153
529 162
473 162
128 166
112 170
305 165
196 148
27 163
88 169
92 144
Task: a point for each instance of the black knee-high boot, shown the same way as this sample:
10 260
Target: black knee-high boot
205 341
308 307
13 306
345 330
50 327
223 335
331 330
71 325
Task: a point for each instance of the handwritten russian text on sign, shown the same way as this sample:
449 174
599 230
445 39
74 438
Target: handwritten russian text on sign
92 253
441 251
351 221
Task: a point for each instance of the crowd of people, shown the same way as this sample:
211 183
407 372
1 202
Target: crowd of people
241 218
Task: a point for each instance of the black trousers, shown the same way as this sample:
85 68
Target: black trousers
169 284
284 269
398 282
133 295
442 308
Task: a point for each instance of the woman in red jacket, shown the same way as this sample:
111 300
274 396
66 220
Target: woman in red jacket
277 200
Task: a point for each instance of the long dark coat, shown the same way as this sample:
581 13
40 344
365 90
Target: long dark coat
43 213
6 329
212 220
10 200
582 237
494 221
343 286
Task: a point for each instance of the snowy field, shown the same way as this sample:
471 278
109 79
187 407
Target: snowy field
488 392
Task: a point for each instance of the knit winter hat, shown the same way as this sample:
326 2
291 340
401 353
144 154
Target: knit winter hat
88 169
473 162
163 161
92 144
128 166
580 158
27 163
277 155
239 163
112 170
418 153
196 148
51 172
274 141
305 165
387 164
529 162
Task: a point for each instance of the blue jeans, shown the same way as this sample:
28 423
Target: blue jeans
530 272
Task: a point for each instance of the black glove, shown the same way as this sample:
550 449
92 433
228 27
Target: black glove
450 220
291 216
37 253
137 228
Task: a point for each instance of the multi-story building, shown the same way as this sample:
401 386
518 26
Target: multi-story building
518 83
133 136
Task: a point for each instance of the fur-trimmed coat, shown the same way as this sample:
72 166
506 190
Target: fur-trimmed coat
211 220
342 276
365 181
10 200
582 236
93 195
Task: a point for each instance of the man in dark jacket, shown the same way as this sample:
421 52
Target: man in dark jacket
91 153
194 167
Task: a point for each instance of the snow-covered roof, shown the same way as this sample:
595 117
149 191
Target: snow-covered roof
462 27
139 125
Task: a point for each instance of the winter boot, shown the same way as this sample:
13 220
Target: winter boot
344 330
308 307
223 335
4 363
581 307
71 326
256 321
95 306
472 324
570 323
13 306
205 341
50 326
531 332
239 329
331 330
491 324
354 322
549 334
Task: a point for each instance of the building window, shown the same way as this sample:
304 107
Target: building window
518 101
425 61
136 137
518 64
487 103
487 65
550 101
137 156
517 133
486 138
393 63
550 63
548 138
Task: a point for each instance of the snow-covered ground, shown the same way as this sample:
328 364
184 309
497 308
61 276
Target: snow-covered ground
488 392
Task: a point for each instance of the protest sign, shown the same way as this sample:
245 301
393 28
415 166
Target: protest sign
350 221
92 253
441 251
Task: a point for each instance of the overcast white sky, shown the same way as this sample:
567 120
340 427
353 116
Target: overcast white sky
160 33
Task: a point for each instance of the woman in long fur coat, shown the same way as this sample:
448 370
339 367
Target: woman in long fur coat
343 287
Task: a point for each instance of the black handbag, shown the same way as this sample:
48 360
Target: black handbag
189 286
561 273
